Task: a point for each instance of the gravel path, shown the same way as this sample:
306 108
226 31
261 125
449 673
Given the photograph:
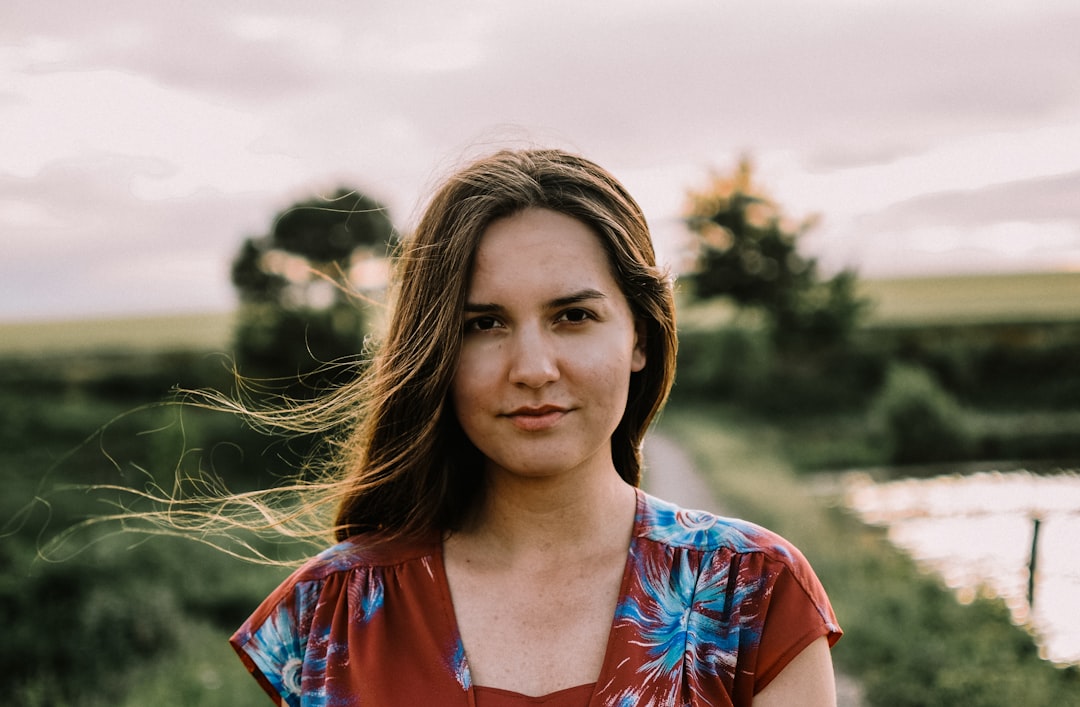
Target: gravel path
670 475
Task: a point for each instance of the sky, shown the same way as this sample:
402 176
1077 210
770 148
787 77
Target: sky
141 142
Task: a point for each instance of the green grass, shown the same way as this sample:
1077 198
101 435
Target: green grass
974 299
115 618
954 299
841 441
199 332
930 300
907 640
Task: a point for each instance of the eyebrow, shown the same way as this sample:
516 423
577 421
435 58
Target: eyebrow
574 298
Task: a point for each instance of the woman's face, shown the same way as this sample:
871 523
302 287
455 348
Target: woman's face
549 346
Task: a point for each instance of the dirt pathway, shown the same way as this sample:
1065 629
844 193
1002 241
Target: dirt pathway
670 475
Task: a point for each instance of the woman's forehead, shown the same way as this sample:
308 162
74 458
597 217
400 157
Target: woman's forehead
539 244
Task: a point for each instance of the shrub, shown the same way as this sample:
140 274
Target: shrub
728 362
739 363
917 420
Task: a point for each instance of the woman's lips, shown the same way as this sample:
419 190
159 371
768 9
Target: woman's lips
536 419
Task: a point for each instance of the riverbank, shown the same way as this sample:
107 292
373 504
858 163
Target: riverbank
908 641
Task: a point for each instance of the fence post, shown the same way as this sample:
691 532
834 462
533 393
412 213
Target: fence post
1033 561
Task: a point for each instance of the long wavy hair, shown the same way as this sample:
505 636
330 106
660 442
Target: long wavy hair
395 463
407 468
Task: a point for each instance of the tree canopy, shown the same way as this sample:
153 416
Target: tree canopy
302 285
748 251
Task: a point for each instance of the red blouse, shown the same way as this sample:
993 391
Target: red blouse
710 610
571 697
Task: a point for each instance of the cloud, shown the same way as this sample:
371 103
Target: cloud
81 241
863 84
641 82
130 133
216 60
1004 247
198 144
1039 200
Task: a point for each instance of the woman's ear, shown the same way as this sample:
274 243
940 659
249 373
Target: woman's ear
637 359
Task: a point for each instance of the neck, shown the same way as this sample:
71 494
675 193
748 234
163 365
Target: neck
534 519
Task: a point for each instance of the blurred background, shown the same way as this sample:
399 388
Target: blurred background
872 211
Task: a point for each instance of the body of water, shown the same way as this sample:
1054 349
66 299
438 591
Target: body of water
978 531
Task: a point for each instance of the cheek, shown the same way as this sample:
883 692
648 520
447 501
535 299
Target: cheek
605 371
458 386
468 382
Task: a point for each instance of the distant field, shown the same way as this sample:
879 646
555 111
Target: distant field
930 300
150 334
975 299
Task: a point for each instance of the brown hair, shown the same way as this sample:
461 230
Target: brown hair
395 462
407 469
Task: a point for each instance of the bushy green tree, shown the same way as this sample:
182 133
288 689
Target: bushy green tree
301 304
748 251
917 420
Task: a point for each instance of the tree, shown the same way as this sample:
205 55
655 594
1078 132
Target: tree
748 251
300 299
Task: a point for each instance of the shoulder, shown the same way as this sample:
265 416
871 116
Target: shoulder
359 553
665 523
758 564
733 550
319 608
338 571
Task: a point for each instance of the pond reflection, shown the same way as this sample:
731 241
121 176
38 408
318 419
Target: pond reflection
977 532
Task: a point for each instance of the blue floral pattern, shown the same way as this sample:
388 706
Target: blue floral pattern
359 627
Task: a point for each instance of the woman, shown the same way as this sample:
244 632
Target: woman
494 549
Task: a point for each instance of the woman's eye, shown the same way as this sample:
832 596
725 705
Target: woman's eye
575 315
481 324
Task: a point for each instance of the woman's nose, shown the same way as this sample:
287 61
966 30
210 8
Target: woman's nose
533 359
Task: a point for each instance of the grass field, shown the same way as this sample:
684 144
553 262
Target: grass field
975 299
199 332
146 622
930 300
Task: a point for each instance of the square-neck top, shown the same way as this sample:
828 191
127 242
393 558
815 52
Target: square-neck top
710 610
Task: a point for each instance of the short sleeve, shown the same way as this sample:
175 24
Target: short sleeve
798 614
272 644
